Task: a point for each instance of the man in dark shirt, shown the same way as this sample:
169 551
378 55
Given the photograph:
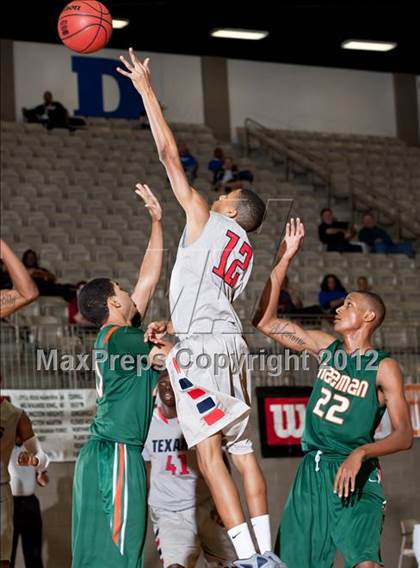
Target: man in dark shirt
379 240
52 114
336 234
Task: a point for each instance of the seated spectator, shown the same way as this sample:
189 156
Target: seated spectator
378 240
189 163
216 163
336 234
290 302
229 177
44 279
363 284
5 280
75 317
143 123
332 293
52 114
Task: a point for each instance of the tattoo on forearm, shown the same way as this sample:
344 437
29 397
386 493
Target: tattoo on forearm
281 329
7 301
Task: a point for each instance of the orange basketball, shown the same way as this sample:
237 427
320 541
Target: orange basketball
85 26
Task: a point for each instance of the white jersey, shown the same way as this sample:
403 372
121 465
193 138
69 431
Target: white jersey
175 481
22 478
9 418
208 276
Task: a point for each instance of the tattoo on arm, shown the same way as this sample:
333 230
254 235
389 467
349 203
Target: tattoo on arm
280 328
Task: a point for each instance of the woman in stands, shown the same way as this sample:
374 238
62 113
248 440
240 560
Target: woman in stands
46 280
332 293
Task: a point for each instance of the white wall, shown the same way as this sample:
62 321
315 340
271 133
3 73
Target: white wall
311 98
40 67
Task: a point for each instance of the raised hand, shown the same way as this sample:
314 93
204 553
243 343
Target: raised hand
150 201
137 71
27 459
293 238
156 331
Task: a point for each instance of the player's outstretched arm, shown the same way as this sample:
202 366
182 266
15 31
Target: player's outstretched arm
389 380
151 265
286 332
24 288
194 205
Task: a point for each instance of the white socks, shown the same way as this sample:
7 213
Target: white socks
242 541
262 531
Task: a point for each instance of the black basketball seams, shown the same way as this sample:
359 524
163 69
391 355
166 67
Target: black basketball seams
97 32
96 8
99 26
65 16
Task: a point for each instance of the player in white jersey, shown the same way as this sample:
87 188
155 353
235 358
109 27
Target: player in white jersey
213 266
14 425
181 508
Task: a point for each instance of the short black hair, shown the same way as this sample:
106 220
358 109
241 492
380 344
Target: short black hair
251 210
93 300
325 209
376 304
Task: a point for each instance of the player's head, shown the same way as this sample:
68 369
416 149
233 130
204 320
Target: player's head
103 298
360 310
327 215
48 98
242 205
165 390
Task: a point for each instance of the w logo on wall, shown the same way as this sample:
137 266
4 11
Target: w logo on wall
281 413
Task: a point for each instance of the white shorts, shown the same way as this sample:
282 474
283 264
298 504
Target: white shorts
6 521
211 381
181 536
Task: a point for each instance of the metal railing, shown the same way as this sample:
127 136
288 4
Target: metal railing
362 195
51 356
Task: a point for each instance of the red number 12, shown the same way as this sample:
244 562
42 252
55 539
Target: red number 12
230 276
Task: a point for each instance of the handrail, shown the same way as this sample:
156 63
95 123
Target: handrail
360 193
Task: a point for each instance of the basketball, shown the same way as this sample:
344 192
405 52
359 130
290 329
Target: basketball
85 27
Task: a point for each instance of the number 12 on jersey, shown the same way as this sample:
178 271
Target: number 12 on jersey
230 274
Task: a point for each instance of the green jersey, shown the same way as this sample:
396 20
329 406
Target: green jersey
124 384
343 411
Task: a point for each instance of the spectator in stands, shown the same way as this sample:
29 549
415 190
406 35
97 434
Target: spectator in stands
216 163
332 293
291 303
336 235
5 280
379 240
189 163
229 177
27 520
143 121
44 279
363 284
75 317
52 114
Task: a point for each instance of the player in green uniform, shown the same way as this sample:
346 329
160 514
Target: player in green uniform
336 501
109 493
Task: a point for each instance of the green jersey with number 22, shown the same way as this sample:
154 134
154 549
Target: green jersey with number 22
343 410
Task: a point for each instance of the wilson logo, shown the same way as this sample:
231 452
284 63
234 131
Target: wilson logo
288 419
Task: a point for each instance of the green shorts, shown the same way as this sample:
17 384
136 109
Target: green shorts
316 522
109 506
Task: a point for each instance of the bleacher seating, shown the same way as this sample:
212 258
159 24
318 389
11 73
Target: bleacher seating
70 197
